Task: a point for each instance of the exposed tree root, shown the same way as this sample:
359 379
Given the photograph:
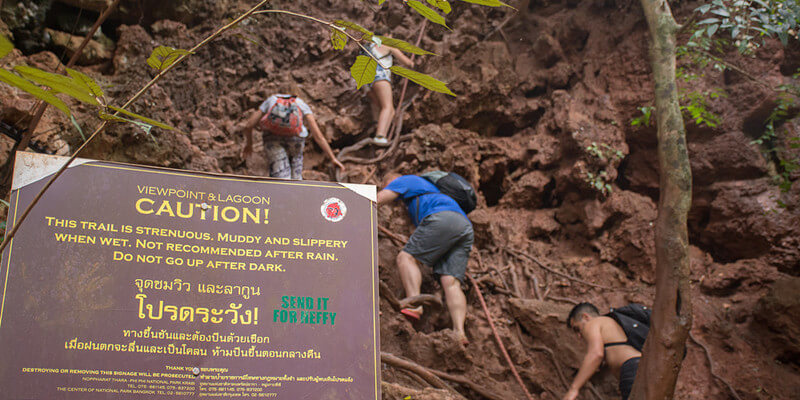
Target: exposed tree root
369 175
711 367
564 299
387 294
555 362
395 141
421 300
432 377
408 302
398 239
522 255
419 370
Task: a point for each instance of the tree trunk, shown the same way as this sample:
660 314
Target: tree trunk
672 310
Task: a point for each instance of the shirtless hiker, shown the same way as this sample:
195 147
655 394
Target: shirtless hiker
606 341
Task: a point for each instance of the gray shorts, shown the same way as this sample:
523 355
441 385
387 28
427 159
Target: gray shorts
443 241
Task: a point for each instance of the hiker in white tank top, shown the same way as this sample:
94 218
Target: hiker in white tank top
380 90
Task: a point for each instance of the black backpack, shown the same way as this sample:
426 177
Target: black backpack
635 321
453 185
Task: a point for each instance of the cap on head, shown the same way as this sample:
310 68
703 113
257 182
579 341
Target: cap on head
582 308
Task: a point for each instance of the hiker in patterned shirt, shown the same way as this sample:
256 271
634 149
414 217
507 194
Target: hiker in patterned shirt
282 119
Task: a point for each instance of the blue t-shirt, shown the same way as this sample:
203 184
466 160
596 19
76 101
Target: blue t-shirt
412 188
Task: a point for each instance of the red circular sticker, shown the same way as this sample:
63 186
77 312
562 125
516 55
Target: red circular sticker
333 209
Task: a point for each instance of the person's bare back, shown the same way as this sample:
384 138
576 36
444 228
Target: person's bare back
607 342
619 351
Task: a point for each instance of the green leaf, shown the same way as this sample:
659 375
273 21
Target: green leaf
145 119
87 82
423 80
402 45
338 39
490 3
443 5
363 70
30 88
59 83
111 117
5 46
703 9
712 29
354 26
721 12
164 56
77 126
428 13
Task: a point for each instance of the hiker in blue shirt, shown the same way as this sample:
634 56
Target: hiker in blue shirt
442 240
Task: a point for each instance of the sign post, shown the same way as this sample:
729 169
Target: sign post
139 282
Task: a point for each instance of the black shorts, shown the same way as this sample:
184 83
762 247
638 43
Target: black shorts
443 241
626 376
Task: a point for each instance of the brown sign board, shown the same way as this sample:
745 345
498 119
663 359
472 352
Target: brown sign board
133 282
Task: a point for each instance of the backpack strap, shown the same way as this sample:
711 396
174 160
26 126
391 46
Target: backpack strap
417 198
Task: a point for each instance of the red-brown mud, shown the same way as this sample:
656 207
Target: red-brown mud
558 78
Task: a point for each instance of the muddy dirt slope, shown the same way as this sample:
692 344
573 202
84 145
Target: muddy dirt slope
545 100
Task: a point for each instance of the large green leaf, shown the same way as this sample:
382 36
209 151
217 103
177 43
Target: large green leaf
490 3
363 70
423 80
5 46
59 83
366 33
427 12
164 56
87 82
402 45
145 119
338 39
39 93
443 5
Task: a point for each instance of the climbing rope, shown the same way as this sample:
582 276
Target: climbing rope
496 335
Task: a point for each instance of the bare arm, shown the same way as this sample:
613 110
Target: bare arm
402 57
321 141
248 133
591 361
387 196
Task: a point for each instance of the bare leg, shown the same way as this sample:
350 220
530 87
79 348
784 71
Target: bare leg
456 302
410 275
373 104
383 92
